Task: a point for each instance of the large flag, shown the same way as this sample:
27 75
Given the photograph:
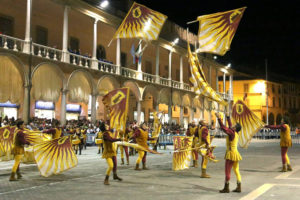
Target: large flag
117 103
6 140
250 123
141 22
216 30
182 152
55 156
198 80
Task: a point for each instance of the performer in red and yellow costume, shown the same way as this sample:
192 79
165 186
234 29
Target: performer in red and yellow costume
204 139
285 143
125 137
141 137
56 132
232 156
18 150
192 129
99 141
109 153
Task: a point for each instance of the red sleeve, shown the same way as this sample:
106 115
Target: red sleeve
50 131
21 138
204 135
196 132
228 131
136 133
281 127
229 122
107 137
188 132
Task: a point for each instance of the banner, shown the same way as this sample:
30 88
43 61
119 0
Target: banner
6 140
55 156
117 103
182 152
250 123
141 22
217 30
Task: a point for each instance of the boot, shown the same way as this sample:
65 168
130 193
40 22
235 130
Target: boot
117 178
144 166
12 177
106 182
204 174
238 188
127 161
289 167
99 151
137 167
195 163
225 189
19 176
76 152
79 151
122 159
284 168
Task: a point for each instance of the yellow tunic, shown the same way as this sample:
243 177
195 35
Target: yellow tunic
232 152
142 138
99 138
285 137
109 149
18 148
57 133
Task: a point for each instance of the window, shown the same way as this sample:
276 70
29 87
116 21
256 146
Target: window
279 102
177 75
279 90
246 87
148 67
101 54
123 59
6 25
274 103
41 35
74 45
185 110
166 68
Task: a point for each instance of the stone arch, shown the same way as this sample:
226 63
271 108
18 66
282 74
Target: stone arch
186 100
176 98
196 103
12 84
47 82
164 96
278 119
106 84
153 91
80 85
134 88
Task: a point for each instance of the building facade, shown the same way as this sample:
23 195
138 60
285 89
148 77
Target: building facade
55 58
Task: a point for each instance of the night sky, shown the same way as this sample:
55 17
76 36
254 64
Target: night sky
268 30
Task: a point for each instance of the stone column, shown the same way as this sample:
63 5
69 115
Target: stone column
157 65
26 48
181 116
26 104
217 80
118 56
139 112
94 57
65 55
170 68
94 109
181 72
224 83
139 69
192 114
63 107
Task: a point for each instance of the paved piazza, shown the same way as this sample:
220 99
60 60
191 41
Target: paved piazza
259 169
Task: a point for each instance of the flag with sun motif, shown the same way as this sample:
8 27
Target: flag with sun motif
55 156
250 123
217 30
182 152
141 22
6 140
117 103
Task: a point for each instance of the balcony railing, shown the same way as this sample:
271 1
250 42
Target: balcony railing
15 44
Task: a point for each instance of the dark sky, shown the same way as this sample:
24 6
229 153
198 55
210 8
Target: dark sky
268 30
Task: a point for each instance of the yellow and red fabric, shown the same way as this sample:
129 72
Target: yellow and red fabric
182 152
217 30
117 103
141 22
250 123
6 139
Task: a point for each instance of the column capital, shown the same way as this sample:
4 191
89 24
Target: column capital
64 91
96 20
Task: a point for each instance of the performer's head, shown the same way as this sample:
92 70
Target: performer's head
144 126
203 122
193 124
237 127
104 127
20 124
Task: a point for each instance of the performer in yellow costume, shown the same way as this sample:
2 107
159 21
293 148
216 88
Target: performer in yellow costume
204 139
99 141
141 137
285 143
109 153
125 137
18 150
191 133
56 132
232 156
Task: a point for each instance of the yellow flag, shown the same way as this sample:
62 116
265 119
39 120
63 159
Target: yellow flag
182 152
199 82
141 22
216 30
250 123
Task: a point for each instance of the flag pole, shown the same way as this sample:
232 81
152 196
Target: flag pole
191 22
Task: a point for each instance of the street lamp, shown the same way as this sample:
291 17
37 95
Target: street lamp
104 4
228 66
175 41
215 57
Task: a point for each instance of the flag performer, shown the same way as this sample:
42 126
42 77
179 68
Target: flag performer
191 133
204 139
